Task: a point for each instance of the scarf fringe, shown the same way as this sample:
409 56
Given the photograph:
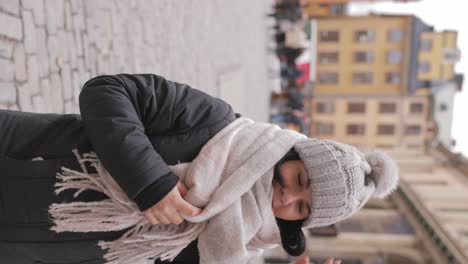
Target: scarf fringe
114 214
149 243
142 243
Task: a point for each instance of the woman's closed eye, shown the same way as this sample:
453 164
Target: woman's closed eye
301 181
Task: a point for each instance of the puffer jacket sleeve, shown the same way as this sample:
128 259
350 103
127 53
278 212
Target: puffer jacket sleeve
120 111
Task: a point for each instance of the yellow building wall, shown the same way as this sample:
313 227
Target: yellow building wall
448 70
316 10
438 69
346 46
344 1
371 119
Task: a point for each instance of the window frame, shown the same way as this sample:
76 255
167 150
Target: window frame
382 127
322 38
422 69
387 74
369 55
328 53
360 110
408 131
366 78
361 129
419 111
381 108
427 47
336 79
389 35
388 59
326 109
356 35
328 128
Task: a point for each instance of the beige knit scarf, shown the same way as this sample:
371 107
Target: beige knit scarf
230 179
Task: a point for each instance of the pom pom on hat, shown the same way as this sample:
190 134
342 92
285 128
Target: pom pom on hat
384 173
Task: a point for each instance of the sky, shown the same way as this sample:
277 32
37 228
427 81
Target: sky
443 15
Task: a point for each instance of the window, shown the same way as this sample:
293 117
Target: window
325 107
355 129
392 78
364 56
385 108
416 108
328 57
443 107
329 36
425 45
337 9
394 56
364 36
395 35
328 77
356 107
450 56
412 130
414 146
384 146
324 128
385 130
424 66
362 77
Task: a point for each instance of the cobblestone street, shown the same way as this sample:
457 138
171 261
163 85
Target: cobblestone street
49 48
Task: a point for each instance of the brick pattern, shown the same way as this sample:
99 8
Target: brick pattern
49 48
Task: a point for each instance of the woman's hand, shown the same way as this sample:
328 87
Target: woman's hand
170 209
301 260
331 260
305 260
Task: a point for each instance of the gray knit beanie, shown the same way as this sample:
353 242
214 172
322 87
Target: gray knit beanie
343 178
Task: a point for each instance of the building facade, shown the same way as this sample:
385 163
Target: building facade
384 81
373 121
438 54
382 54
375 80
322 8
365 54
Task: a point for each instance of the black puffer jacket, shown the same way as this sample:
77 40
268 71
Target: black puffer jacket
137 124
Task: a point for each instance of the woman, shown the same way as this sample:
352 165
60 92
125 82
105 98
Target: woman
139 126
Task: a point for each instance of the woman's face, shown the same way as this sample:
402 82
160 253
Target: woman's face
292 195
